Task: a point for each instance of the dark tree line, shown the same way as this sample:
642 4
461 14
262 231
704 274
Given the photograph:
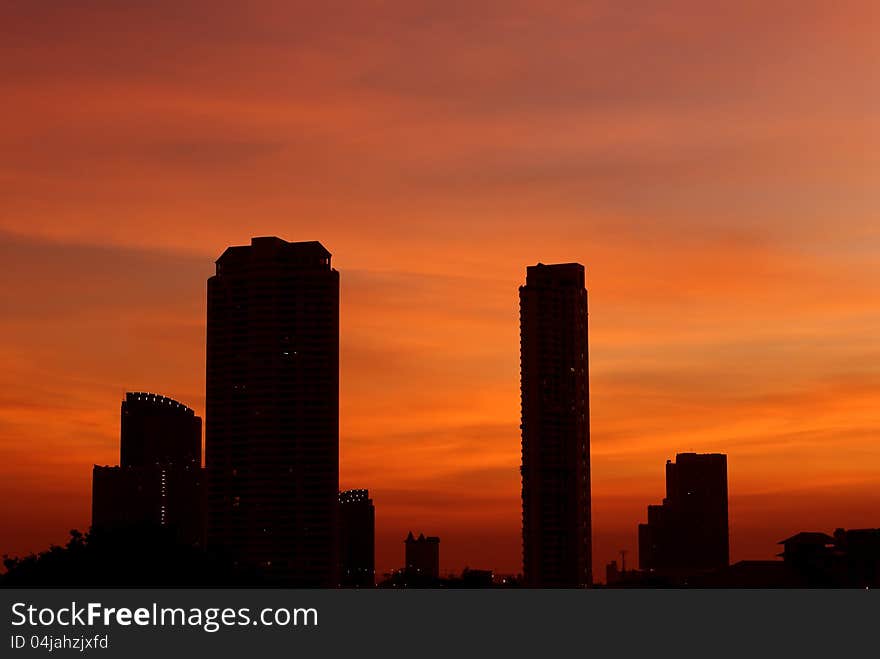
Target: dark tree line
133 557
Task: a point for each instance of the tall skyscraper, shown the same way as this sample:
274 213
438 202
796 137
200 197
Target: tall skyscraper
688 533
357 539
554 371
160 480
272 411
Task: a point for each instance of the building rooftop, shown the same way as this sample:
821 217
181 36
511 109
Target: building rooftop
698 456
555 273
271 248
421 538
808 537
156 400
354 496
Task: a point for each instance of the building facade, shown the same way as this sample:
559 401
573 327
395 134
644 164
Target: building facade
554 367
422 558
688 533
158 430
159 481
272 411
357 539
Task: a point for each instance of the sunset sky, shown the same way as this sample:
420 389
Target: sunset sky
715 169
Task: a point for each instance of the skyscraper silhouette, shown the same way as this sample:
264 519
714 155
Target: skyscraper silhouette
688 533
357 539
272 410
557 544
160 481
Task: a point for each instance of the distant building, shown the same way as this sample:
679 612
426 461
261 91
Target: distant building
422 557
753 574
860 552
554 366
158 430
470 578
612 573
688 533
809 552
160 481
272 411
474 578
848 559
357 533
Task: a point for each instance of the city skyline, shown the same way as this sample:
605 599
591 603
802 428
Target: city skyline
273 344
390 566
723 198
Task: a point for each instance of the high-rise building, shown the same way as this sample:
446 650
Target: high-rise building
688 533
422 558
554 368
357 539
158 430
272 411
160 480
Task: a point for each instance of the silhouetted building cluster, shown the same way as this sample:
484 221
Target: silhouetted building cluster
847 559
421 565
688 533
159 481
468 579
267 510
615 573
554 362
357 539
272 434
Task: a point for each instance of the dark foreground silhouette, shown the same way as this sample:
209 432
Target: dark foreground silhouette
148 557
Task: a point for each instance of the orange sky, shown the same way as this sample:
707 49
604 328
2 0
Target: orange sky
715 170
